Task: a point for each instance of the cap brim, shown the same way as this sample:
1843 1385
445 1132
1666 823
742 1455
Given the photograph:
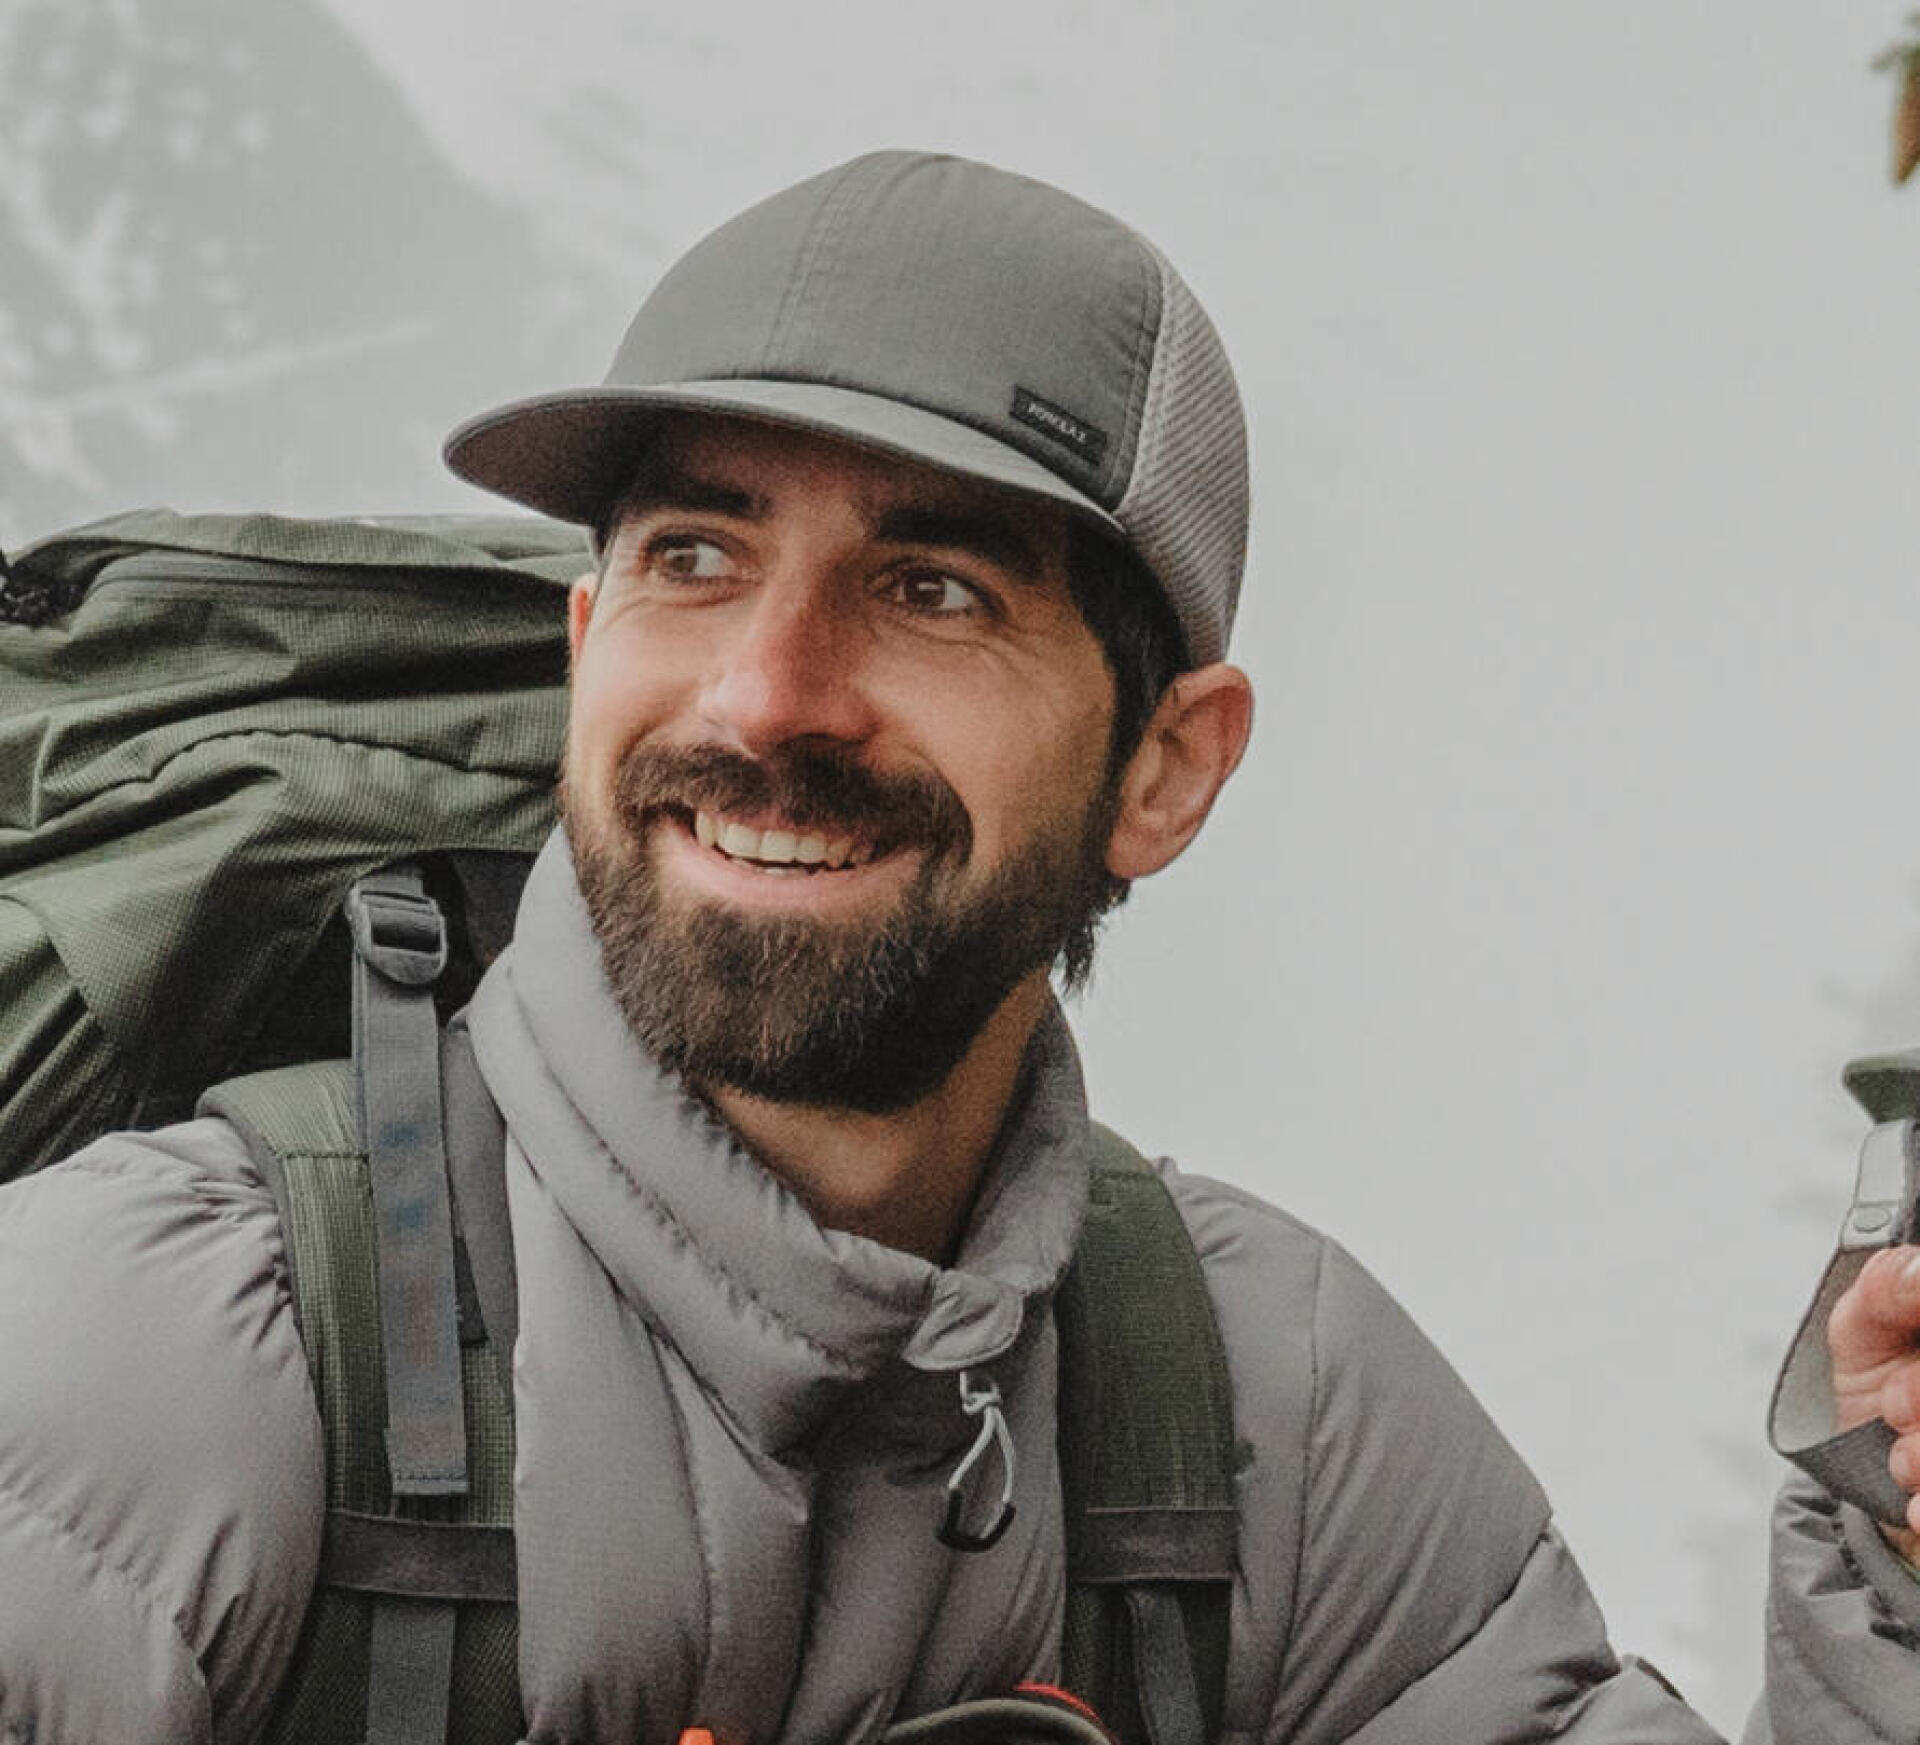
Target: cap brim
569 455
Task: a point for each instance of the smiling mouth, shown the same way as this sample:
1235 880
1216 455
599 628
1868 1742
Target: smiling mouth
781 848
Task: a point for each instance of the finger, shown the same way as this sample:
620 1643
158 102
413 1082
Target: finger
1876 1320
1903 1461
1899 1402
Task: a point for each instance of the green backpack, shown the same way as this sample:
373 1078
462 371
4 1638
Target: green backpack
219 737
210 726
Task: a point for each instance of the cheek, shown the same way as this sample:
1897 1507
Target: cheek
1075 727
1039 776
610 706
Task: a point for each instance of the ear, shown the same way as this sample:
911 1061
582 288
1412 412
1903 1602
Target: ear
579 611
1190 747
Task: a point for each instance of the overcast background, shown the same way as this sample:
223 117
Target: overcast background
1578 844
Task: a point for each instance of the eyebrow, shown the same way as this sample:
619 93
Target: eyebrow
662 486
995 538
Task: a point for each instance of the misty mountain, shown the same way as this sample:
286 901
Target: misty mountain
234 272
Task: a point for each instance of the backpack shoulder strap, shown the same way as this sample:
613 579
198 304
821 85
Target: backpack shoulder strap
1853 1465
1147 1463
415 1624
483 1232
299 1125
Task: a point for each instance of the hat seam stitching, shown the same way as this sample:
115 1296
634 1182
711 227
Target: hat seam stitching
825 230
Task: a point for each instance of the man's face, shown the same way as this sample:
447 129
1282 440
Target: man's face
836 778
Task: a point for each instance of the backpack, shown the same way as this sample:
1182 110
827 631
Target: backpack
210 726
412 1635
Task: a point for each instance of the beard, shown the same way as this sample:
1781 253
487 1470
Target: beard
870 1013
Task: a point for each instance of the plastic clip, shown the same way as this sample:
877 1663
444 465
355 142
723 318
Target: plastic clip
398 935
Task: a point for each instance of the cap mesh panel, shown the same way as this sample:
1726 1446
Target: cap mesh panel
1185 508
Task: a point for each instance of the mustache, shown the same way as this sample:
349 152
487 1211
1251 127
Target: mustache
809 787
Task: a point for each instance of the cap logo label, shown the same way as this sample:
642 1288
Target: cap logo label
1086 440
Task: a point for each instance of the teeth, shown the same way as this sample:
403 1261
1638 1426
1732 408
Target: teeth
777 847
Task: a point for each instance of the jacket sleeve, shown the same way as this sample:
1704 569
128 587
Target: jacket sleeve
1400 1578
161 1470
1843 1629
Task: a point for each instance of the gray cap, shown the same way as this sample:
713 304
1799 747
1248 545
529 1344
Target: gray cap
940 309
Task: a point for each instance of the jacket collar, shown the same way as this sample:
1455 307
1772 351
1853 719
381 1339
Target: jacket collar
777 1315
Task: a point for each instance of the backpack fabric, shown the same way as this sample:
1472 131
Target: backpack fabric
210 726
1146 1438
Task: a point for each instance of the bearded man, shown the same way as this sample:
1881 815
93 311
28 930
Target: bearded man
920 500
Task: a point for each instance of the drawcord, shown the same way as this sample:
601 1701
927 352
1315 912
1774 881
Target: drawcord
982 1403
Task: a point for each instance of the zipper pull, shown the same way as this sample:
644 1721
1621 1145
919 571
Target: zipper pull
982 1403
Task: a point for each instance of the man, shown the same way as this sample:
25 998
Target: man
920 498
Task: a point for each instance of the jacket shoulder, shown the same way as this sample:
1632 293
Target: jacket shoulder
1400 1579
1843 1627
161 1473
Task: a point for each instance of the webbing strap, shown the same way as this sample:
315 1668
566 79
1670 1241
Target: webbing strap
1163 1668
399 950
1155 1544
1853 1466
476 1154
400 947
419 1560
1147 1462
409 1670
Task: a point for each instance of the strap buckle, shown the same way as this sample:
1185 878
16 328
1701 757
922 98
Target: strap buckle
401 935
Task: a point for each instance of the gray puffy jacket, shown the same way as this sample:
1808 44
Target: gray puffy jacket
735 1430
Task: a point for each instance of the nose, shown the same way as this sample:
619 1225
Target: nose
789 669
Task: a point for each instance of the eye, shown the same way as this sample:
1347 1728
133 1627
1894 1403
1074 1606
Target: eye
938 593
683 558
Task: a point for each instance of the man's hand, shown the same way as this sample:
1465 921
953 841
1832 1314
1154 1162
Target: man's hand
1876 1370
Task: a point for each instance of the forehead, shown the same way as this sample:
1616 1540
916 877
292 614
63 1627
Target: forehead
757 470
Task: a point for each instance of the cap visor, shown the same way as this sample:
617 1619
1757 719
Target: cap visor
569 455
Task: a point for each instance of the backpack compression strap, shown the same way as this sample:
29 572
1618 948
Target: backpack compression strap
1146 1463
1854 1465
399 950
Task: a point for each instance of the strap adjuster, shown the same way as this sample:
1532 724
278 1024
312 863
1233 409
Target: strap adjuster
399 935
